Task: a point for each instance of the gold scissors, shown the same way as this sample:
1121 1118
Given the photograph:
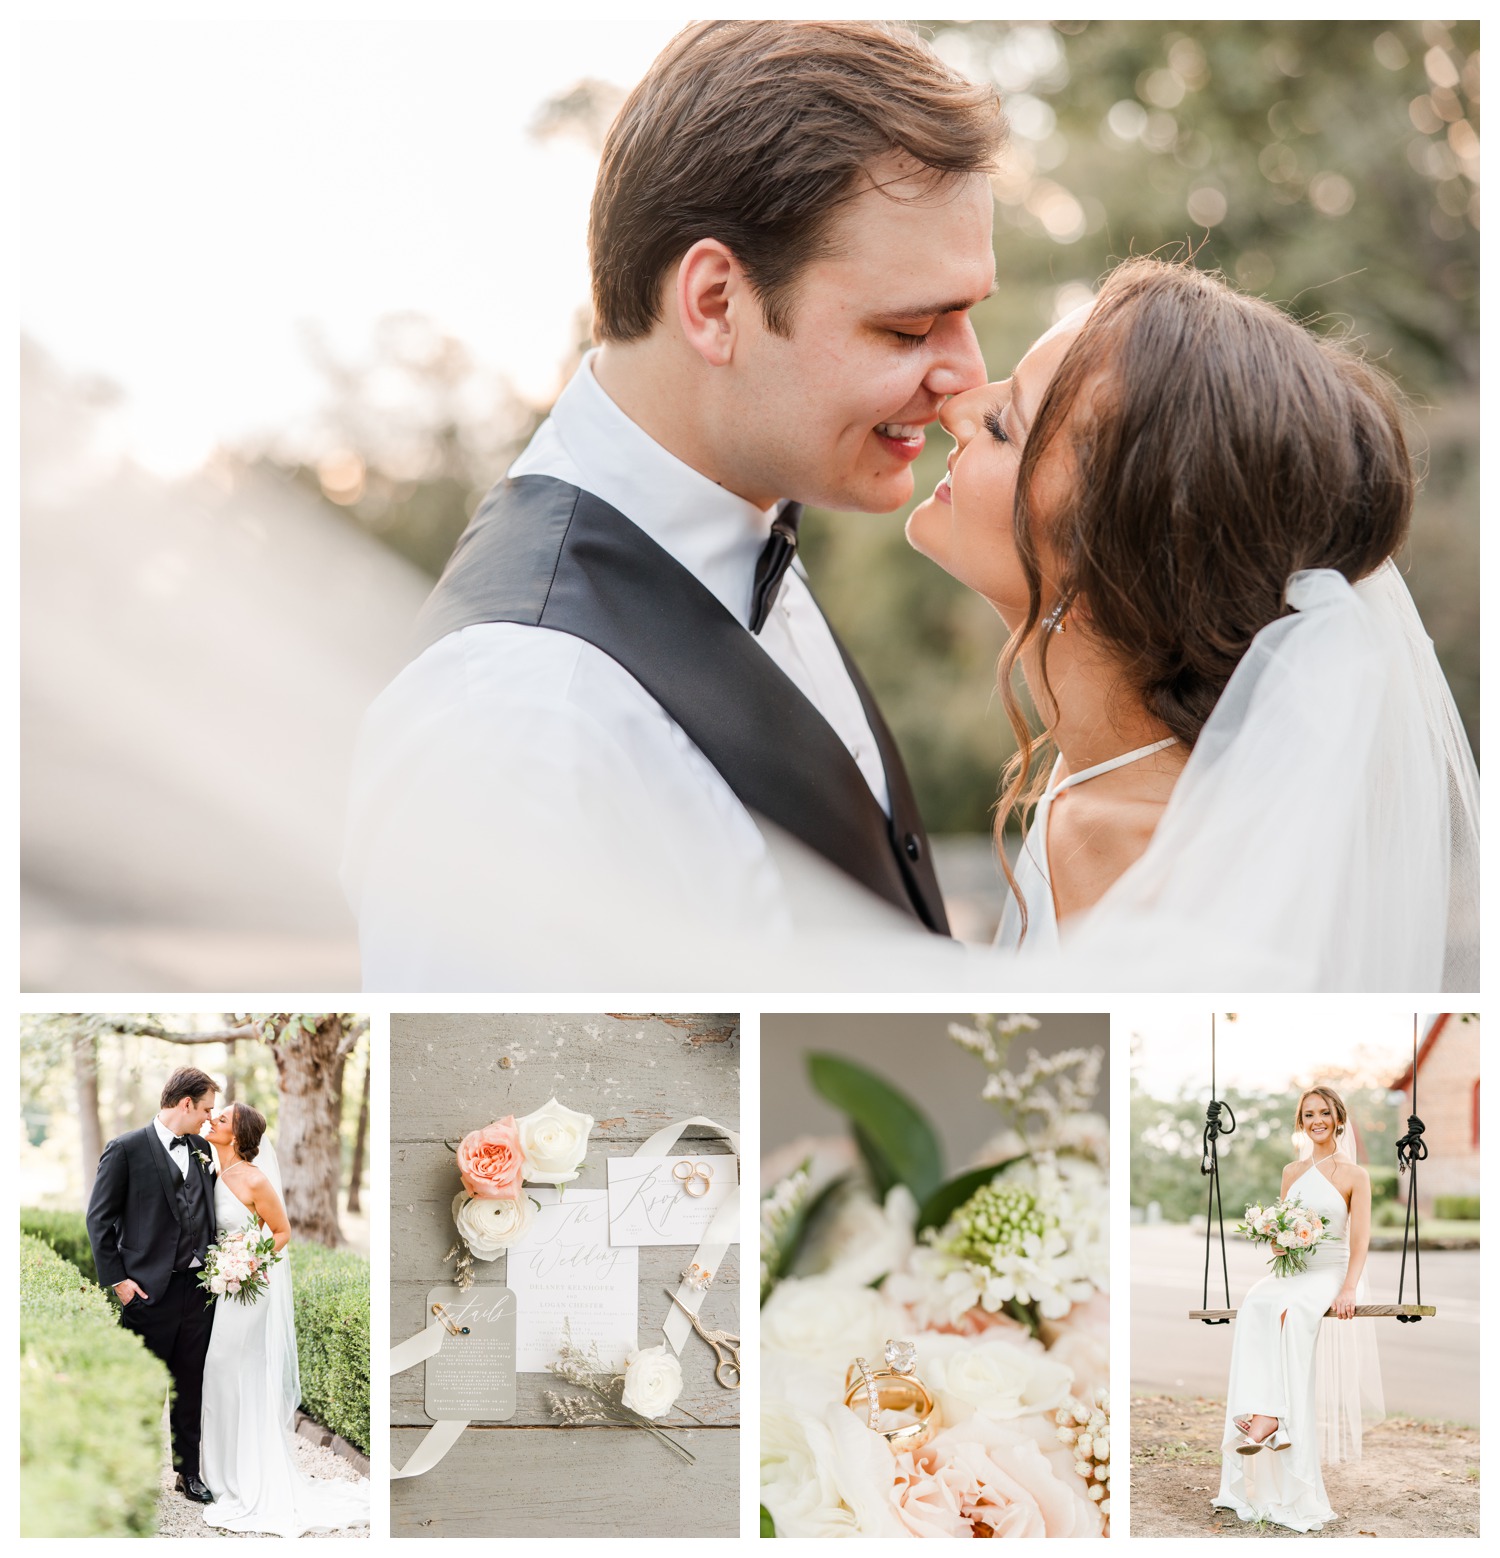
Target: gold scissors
726 1347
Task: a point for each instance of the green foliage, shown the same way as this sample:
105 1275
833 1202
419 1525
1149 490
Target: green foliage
66 1232
1458 1209
947 1199
331 1295
767 1525
898 1145
91 1407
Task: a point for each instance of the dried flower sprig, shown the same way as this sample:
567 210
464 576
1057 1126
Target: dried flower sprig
463 1268
1084 1428
582 1368
1045 1098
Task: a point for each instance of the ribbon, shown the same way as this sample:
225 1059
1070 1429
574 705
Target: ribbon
721 1233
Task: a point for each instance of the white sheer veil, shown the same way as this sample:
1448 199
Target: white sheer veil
283 1380
1351 1397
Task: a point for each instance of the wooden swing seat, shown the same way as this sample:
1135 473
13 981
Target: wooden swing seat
1361 1312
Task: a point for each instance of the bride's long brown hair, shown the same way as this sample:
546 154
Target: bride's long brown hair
1213 447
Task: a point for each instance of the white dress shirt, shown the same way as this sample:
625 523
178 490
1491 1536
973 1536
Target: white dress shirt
523 813
179 1159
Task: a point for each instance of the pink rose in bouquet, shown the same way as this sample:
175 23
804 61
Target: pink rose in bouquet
490 1161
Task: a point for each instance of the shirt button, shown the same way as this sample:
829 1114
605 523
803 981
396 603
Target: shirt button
913 846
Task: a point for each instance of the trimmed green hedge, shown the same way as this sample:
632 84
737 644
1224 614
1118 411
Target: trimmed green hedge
66 1232
1458 1209
331 1294
91 1407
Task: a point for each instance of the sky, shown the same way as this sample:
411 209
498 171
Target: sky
1263 1048
191 196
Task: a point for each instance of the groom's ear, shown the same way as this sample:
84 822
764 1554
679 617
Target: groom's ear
711 293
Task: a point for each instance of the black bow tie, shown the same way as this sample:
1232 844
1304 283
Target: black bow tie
178 1141
770 568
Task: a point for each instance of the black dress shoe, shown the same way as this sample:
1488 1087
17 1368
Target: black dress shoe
195 1489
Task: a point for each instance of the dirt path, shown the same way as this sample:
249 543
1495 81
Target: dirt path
1415 1479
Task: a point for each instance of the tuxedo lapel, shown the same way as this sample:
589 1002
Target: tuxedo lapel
166 1169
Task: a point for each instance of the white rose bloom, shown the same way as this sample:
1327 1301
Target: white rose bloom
489 1228
653 1381
823 1473
810 1329
218 1285
862 1241
997 1379
555 1140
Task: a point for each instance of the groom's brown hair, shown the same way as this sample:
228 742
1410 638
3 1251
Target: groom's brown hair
754 133
186 1082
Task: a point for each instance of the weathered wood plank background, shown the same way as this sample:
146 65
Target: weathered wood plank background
634 1073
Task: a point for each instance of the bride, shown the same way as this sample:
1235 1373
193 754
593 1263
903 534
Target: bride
1185 507
1294 1382
250 1381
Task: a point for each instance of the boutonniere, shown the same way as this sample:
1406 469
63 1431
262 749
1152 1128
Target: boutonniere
203 1158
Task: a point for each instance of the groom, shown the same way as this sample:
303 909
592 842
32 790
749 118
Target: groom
151 1221
622 671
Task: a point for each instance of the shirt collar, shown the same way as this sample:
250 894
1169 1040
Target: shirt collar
167 1138
715 535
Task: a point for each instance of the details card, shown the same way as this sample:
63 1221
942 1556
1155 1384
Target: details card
566 1269
473 1376
653 1200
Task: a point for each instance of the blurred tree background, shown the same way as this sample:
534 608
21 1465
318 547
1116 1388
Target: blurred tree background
1332 167
89 1077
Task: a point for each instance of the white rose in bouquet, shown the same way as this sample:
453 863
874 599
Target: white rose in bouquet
862 1241
823 1473
653 1380
554 1141
489 1228
997 1379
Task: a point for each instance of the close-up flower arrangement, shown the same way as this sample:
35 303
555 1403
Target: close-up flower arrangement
495 1163
989 1288
1289 1230
648 1389
238 1264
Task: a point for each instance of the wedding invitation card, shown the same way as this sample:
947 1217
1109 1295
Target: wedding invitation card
566 1269
651 1200
472 1378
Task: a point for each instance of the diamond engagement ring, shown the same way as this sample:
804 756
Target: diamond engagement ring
894 1388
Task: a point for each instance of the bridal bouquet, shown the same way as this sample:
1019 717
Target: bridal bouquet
1290 1230
989 1287
238 1265
495 1163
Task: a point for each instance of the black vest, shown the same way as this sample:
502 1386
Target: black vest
192 1218
546 554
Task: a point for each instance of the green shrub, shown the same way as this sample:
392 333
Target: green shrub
66 1232
91 1408
1458 1209
331 1293
1384 1178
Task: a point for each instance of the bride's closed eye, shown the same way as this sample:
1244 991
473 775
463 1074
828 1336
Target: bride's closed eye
995 427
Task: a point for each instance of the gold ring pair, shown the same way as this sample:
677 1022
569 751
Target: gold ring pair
895 1388
689 1175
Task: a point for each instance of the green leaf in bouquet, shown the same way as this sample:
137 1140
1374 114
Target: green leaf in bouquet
893 1136
946 1199
767 1525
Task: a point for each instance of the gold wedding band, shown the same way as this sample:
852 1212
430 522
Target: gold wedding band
694 1178
893 1389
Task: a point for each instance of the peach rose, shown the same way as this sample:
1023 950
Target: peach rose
490 1162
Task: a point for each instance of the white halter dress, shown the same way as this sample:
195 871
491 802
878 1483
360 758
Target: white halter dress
1034 875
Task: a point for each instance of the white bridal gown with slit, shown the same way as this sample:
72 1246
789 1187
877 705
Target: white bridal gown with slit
1307 1372
250 1397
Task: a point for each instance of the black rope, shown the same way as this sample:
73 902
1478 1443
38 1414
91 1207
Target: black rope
1213 1129
1410 1151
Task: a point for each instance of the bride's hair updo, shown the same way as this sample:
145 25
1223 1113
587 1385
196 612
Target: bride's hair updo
1332 1099
248 1126
1202 446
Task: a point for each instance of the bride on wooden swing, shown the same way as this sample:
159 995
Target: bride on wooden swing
1302 1391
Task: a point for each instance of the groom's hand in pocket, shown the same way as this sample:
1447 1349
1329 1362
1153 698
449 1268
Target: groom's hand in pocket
127 1290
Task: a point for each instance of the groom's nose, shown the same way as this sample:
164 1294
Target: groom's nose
959 364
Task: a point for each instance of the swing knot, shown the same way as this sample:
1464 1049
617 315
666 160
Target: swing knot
1411 1150
1213 1128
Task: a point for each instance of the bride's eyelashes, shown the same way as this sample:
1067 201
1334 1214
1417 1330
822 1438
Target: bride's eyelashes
995 427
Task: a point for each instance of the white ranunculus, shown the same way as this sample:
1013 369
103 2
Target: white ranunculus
997 1379
554 1141
653 1380
489 1228
823 1473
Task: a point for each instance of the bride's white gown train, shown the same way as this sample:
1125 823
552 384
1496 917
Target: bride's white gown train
1274 1370
249 1398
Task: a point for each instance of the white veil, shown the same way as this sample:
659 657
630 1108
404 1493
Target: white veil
1324 834
1351 1397
283 1380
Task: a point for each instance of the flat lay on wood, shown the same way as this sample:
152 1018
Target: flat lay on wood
634 1073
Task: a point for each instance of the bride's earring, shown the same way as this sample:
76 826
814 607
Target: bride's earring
1056 620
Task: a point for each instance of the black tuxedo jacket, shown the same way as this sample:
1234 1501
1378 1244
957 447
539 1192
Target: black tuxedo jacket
547 554
133 1217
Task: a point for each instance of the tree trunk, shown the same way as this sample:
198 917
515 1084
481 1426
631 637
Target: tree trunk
309 1068
86 1097
356 1171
